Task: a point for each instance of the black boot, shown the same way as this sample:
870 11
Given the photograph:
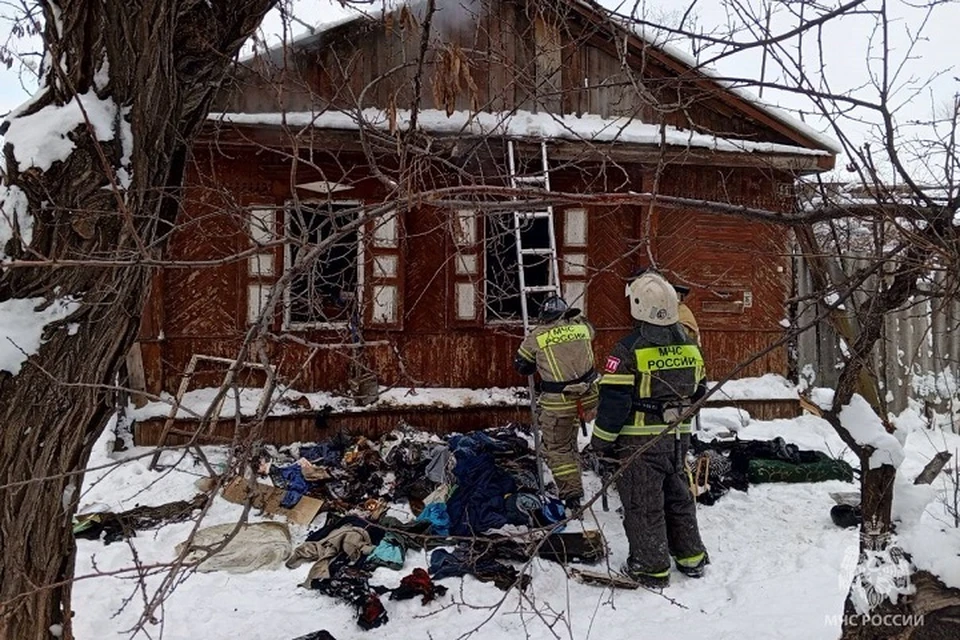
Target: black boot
697 570
650 580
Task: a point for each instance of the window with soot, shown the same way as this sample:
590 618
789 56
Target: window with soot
325 290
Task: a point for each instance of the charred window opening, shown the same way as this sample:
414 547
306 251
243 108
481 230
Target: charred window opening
502 292
325 291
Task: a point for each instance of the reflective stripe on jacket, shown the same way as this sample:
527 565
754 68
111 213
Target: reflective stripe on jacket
563 353
636 370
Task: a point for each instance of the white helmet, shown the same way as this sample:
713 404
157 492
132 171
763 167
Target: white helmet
653 300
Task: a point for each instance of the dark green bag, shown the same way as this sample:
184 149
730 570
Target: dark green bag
821 469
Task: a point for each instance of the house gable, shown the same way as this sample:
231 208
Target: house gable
501 56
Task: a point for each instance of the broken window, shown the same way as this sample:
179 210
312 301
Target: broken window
324 291
502 291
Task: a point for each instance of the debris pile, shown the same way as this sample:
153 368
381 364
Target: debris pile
470 501
720 465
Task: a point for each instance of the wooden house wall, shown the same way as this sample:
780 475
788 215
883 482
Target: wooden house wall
738 270
489 55
202 309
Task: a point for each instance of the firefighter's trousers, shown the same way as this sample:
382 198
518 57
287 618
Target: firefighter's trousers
659 512
559 436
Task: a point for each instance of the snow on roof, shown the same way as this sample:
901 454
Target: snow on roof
517 124
647 35
316 31
853 195
655 39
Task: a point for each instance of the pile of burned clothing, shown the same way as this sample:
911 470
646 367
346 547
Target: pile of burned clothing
721 465
346 552
353 473
467 485
472 504
112 527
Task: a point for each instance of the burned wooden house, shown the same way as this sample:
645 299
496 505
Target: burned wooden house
444 171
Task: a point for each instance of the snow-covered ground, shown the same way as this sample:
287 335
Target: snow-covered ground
780 568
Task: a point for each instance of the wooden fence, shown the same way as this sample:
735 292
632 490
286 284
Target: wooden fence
918 355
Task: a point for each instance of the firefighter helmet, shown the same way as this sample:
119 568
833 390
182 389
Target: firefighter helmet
553 308
653 300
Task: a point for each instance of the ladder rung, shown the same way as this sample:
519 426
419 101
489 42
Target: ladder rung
532 215
537 252
541 289
530 179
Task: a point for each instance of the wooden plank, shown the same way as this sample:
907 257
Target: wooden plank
317 426
496 51
314 427
511 65
136 377
548 54
481 58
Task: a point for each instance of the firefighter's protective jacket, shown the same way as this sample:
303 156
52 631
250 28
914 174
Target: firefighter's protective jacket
651 369
562 353
689 322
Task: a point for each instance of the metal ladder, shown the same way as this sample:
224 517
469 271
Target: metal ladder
522 219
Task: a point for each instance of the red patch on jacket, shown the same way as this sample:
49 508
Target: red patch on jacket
612 363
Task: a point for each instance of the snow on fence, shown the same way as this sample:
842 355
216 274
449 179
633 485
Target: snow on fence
919 352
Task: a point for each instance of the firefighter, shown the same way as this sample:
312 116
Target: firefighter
685 315
650 378
560 349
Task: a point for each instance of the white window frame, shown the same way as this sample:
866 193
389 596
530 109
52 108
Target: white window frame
288 324
576 222
262 224
386 231
466 301
261 265
257 295
384 303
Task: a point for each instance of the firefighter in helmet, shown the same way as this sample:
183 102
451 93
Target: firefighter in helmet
687 319
560 349
651 377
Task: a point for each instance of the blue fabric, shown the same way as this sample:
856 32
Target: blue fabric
478 503
553 511
325 453
463 561
521 507
444 564
389 553
295 484
436 514
478 442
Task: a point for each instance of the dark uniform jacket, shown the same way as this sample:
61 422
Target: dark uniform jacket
649 372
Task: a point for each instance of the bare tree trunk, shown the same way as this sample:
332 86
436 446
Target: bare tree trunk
165 59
